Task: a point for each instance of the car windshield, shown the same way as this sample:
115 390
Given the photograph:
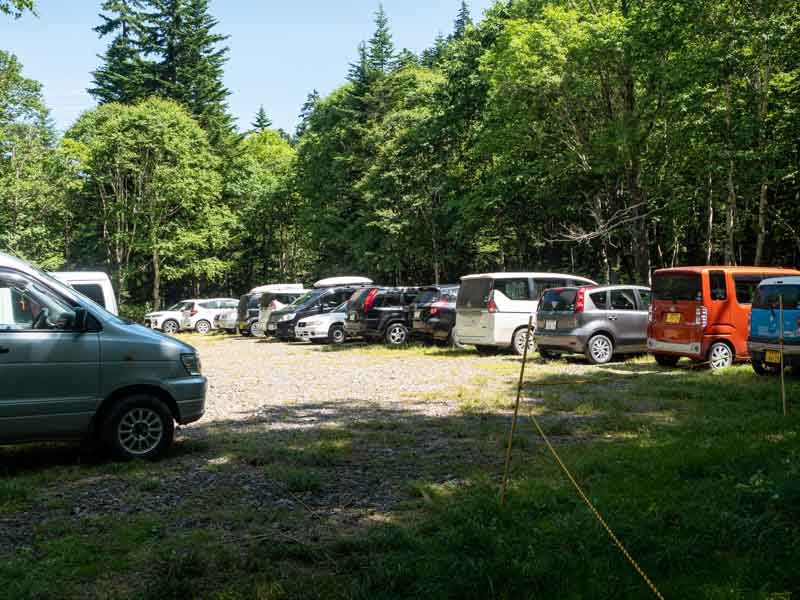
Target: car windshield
306 299
769 296
341 308
673 287
559 299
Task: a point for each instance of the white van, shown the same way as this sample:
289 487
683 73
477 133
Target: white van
95 286
493 309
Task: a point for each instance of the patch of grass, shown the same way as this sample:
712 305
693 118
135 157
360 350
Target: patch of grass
296 479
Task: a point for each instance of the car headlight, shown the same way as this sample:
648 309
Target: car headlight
313 323
288 317
191 362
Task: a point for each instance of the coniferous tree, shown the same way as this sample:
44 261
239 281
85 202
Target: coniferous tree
381 53
306 111
431 56
124 75
262 122
463 20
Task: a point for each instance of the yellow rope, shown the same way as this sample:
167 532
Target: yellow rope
596 513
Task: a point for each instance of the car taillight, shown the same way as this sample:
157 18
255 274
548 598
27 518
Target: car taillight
651 314
436 307
370 300
492 306
701 316
580 301
193 312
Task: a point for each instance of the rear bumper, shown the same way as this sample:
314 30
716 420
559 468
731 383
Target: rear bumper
791 352
430 329
561 343
691 349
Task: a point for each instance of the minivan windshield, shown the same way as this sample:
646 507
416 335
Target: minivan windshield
474 293
306 299
673 287
559 300
768 296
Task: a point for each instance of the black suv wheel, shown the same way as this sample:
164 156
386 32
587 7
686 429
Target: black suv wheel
396 335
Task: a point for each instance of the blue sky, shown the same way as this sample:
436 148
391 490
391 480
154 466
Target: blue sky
280 50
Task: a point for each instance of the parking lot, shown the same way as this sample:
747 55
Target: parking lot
304 445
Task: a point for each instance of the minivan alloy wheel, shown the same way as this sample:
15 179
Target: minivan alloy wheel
601 349
170 327
140 431
518 342
720 356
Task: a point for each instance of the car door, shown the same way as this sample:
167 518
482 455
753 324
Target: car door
49 371
644 299
628 324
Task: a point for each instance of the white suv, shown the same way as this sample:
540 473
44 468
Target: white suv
199 314
169 320
493 309
326 328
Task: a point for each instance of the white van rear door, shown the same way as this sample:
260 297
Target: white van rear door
472 322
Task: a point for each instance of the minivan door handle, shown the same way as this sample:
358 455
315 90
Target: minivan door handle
4 350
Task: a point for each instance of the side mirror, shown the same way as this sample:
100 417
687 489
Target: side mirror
81 318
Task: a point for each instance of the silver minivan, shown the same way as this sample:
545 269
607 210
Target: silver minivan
598 322
71 370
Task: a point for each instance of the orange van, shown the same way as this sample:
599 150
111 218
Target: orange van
703 313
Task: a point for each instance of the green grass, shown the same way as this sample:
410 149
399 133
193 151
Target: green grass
698 473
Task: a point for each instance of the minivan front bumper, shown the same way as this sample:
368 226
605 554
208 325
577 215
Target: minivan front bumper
190 396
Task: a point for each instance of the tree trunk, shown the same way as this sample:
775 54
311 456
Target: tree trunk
710 222
762 224
156 279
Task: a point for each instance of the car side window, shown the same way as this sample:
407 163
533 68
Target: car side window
513 289
622 300
645 299
409 297
209 305
600 300
719 288
548 284
25 305
93 291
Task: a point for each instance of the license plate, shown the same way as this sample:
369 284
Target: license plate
673 318
550 325
773 356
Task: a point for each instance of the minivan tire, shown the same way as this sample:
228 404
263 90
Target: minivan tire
720 356
170 326
139 426
202 327
518 342
396 335
336 335
255 330
666 360
599 349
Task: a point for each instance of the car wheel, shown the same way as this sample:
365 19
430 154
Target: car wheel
600 349
202 327
763 369
548 355
487 350
255 329
170 327
518 341
396 335
138 427
336 335
667 360
720 356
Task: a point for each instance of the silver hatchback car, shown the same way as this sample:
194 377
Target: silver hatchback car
599 322
71 370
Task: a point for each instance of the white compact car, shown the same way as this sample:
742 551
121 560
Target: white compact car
94 285
169 320
198 315
325 328
493 309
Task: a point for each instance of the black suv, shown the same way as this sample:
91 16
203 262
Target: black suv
381 313
433 313
320 301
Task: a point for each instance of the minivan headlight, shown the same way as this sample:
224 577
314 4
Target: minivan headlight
288 317
191 362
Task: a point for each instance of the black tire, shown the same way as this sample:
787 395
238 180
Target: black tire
518 342
599 349
336 335
549 355
170 327
396 335
138 421
763 369
666 360
487 350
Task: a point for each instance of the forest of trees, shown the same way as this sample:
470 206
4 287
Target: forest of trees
602 137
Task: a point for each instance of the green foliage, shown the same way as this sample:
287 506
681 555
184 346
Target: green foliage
16 8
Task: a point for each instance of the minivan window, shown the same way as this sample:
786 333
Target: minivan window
30 306
623 300
673 287
93 291
600 300
768 296
719 287
559 300
746 286
513 289
474 293
645 297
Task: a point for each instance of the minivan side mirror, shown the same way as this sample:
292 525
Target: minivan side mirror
81 318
